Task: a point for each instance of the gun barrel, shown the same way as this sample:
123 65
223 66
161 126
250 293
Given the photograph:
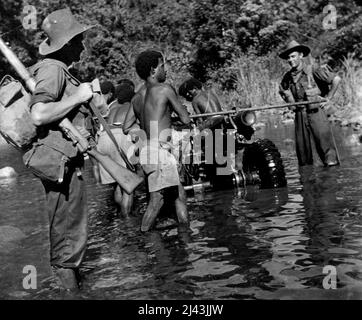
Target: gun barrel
278 106
18 66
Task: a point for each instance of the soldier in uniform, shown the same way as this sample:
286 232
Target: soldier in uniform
307 83
58 95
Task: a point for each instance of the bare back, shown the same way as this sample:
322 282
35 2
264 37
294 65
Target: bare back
138 103
153 103
156 109
117 113
205 102
135 110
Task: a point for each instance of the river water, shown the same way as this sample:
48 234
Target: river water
243 244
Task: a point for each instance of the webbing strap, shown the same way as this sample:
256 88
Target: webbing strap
111 136
98 115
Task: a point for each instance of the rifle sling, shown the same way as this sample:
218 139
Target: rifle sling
111 136
98 115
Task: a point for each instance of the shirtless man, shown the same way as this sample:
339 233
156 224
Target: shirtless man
117 113
118 109
203 101
108 92
152 106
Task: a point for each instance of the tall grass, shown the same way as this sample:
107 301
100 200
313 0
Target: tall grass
256 80
349 95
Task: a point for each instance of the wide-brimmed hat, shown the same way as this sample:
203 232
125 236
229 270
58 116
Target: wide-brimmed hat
294 46
60 26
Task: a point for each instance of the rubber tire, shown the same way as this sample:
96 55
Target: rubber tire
263 157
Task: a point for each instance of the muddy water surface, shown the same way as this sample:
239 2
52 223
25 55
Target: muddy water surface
243 244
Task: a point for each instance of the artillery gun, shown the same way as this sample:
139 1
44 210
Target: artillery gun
257 161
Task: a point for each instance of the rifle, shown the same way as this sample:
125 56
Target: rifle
127 179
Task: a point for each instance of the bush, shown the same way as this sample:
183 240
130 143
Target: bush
251 80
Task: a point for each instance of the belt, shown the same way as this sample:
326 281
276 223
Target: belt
315 110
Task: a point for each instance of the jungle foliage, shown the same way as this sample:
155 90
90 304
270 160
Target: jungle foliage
203 38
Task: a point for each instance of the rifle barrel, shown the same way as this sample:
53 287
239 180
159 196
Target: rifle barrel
126 178
17 65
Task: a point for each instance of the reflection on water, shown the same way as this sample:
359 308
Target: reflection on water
243 244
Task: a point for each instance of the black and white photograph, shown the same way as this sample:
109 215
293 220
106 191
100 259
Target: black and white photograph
195 151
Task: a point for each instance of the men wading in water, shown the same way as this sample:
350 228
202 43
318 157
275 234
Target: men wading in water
107 89
307 83
115 119
152 106
56 96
